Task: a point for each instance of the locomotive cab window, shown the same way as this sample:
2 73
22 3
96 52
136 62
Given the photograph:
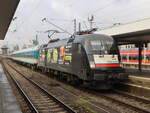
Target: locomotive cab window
102 46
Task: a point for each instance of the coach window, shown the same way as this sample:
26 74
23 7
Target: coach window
130 57
124 57
142 56
147 57
135 57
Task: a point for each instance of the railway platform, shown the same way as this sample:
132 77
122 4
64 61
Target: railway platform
143 73
142 81
137 85
8 101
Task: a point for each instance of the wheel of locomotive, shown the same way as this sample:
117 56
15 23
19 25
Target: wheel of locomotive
42 70
45 70
69 79
72 79
51 72
35 67
58 75
32 67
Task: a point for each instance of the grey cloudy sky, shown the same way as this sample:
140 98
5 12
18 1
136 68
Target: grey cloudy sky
62 12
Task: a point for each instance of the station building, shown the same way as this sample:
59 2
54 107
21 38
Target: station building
4 50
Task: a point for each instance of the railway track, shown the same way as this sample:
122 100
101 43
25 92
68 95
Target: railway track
38 99
99 109
146 101
137 104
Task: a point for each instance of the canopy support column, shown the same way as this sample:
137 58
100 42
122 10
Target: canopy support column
140 48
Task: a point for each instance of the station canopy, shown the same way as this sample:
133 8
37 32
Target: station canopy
134 32
7 10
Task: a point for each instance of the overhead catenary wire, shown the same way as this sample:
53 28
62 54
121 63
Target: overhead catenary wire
28 18
35 10
60 19
44 19
52 19
98 10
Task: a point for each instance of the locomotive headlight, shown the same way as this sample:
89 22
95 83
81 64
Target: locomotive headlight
92 64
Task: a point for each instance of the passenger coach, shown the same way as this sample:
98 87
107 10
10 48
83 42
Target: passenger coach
27 56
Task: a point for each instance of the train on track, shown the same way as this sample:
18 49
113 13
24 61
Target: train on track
90 58
130 58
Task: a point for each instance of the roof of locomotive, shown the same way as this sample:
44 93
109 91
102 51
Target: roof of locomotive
78 38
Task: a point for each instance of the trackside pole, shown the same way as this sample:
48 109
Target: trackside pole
140 56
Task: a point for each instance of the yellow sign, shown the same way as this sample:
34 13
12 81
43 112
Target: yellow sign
68 58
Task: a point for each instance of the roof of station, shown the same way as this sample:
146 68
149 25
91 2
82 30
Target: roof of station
135 31
7 10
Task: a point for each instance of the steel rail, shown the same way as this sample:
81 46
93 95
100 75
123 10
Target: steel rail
133 96
66 107
26 98
125 104
101 108
113 99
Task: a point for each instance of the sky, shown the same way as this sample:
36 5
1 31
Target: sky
29 15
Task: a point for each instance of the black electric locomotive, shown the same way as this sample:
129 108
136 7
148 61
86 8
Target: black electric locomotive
89 58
